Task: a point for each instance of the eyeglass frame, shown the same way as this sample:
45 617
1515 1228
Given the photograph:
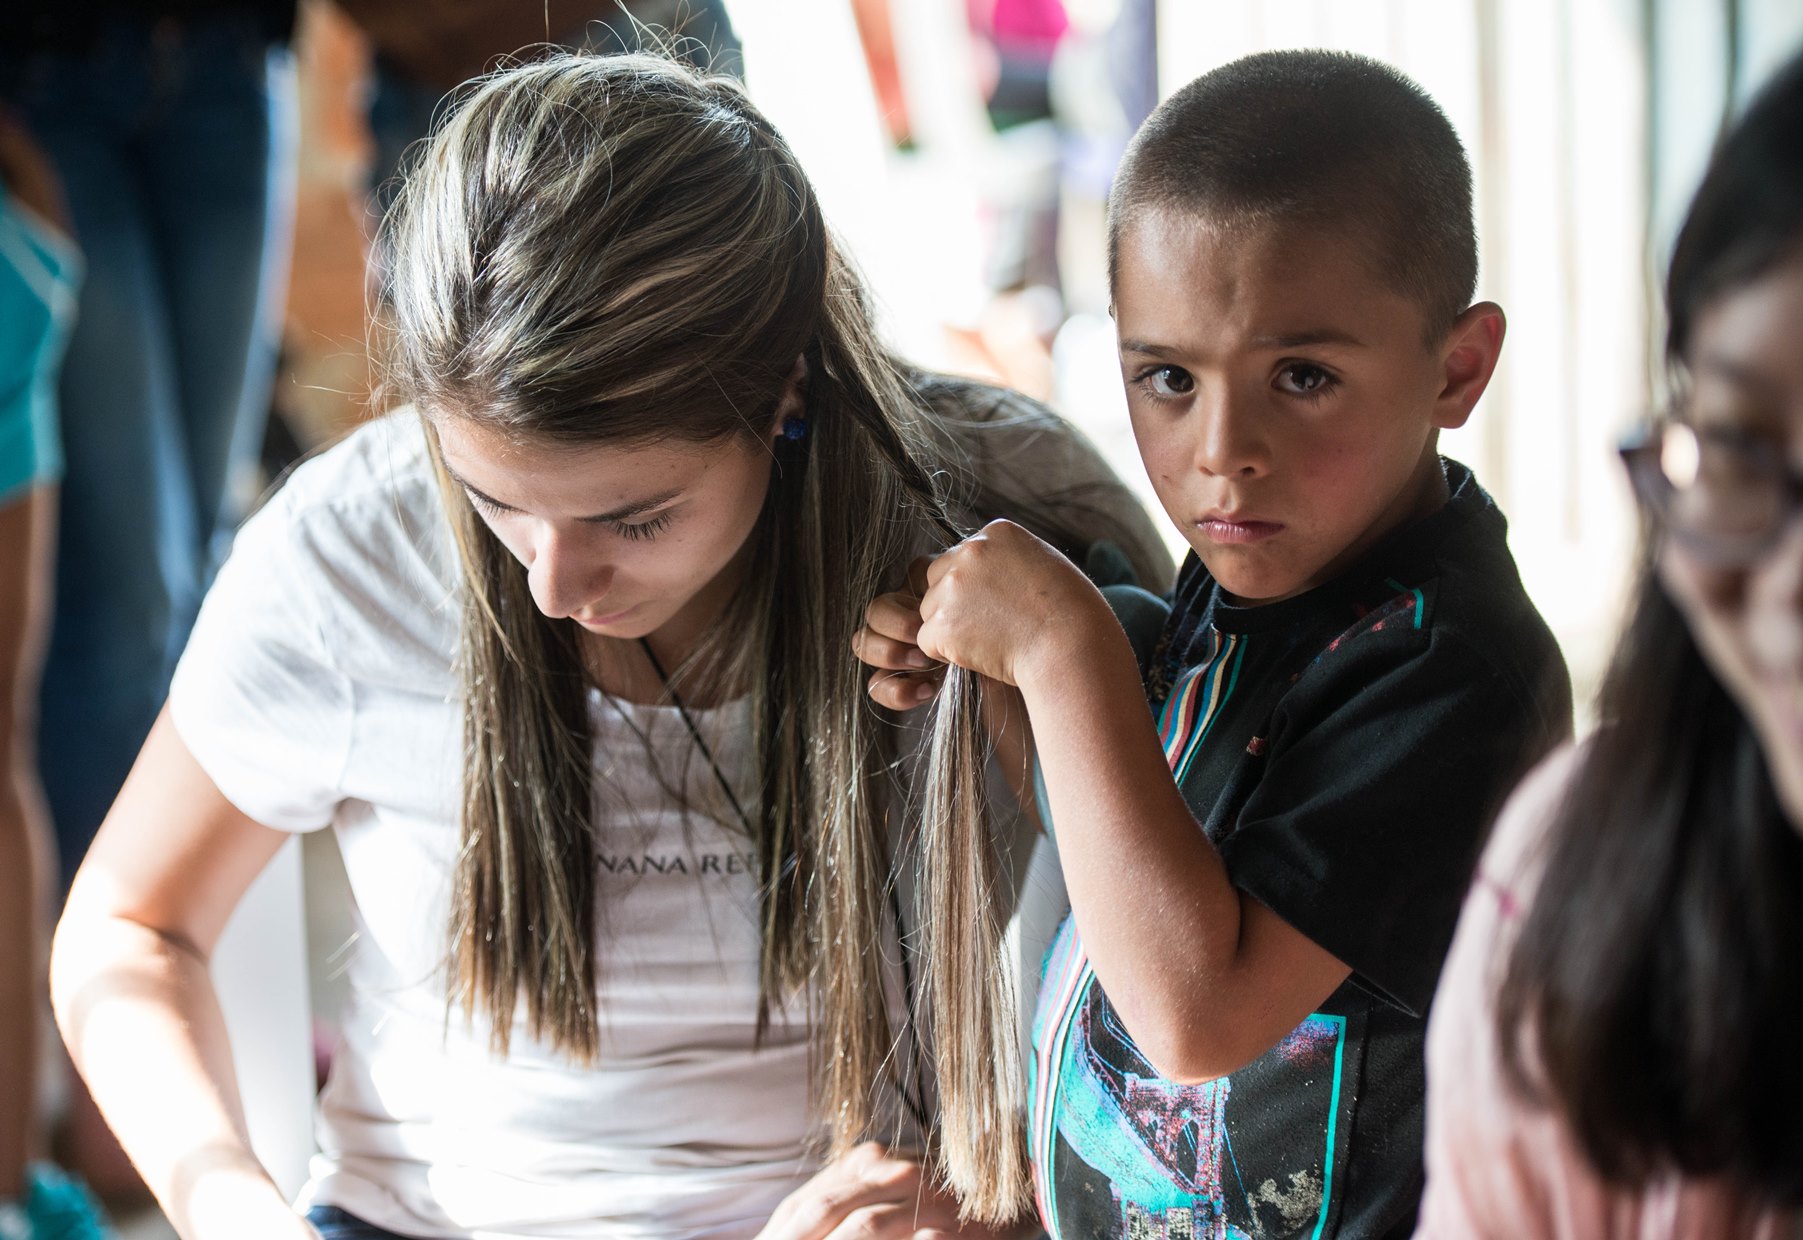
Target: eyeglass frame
1641 450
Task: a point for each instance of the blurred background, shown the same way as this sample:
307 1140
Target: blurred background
964 149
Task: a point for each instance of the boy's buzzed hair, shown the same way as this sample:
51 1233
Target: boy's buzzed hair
1321 138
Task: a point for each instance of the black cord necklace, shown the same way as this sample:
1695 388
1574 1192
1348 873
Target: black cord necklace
682 713
910 1100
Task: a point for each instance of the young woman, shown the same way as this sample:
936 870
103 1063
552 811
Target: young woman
565 663
1613 1052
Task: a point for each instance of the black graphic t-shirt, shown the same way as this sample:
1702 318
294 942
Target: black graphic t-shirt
1345 750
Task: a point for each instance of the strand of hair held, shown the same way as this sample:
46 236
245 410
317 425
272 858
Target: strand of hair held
968 980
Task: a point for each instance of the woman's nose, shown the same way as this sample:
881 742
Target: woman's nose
564 576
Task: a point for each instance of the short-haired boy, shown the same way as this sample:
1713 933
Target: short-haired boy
1347 680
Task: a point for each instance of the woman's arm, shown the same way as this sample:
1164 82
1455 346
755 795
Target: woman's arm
136 1006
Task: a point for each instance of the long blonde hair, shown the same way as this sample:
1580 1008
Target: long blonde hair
622 250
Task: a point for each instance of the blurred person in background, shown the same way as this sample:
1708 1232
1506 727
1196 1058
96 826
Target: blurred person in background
170 126
423 52
977 113
1016 41
39 273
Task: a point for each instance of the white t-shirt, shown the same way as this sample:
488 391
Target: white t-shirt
318 690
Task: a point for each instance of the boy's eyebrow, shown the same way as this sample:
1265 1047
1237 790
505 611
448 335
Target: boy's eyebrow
621 513
1288 340
1148 348
1299 340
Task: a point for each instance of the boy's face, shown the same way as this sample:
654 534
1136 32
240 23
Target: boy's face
1284 399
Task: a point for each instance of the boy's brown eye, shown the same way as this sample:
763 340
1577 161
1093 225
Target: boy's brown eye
1169 381
1305 380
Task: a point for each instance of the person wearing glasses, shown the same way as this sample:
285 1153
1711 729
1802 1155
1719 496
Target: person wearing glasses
1614 1048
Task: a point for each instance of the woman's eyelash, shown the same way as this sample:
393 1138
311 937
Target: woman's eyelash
484 503
634 530
645 529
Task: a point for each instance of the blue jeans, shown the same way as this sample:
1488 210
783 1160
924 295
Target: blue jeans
174 142
334 1224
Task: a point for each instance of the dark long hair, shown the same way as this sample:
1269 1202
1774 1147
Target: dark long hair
1656 991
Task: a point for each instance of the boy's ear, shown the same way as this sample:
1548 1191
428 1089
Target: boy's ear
1468 358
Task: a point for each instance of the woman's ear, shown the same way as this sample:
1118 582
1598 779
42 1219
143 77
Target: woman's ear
1468 358
790 406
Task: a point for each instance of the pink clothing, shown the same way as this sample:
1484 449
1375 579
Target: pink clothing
1028 23
1497 1166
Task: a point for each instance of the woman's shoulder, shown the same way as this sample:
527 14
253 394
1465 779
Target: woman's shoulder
992 423
1026 461
350 555
1515 855
1497 902
364 510
373 466
976 400
1496 906
322 657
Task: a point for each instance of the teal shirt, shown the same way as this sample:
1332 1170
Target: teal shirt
40 271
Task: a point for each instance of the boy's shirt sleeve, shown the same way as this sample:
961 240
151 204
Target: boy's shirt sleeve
1385 764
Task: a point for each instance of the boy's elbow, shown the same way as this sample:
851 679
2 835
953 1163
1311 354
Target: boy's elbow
1186 1051
1195 1066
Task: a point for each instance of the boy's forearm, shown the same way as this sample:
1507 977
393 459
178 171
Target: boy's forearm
1159 917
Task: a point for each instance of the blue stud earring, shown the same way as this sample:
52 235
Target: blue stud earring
795 429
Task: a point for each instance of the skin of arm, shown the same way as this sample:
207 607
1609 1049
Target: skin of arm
1206 979
25 842
27 536
135 1003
